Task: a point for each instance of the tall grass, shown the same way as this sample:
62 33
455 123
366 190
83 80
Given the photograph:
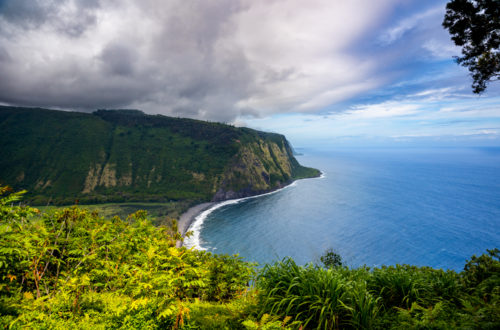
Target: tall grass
362 306
397 286
419 297
309 294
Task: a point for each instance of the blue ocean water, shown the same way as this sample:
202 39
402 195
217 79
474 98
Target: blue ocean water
427 207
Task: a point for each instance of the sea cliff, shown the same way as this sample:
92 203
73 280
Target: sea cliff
126 155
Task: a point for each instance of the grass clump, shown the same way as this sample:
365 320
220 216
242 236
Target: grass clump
390 297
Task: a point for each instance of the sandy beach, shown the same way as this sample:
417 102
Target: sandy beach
187 218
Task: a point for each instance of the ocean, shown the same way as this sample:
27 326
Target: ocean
426 207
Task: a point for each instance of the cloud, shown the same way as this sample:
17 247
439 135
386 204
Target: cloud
216 60
431 106
441 49
118 60
419 36
314 70
409 23
429 116
388 109
68 17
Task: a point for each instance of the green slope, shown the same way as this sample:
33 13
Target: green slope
125 155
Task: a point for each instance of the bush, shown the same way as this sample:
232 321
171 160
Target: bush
309 294
331 259
60 267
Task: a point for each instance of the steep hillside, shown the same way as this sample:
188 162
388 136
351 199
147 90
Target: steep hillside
125 155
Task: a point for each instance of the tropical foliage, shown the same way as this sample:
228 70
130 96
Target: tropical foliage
400 296
73 268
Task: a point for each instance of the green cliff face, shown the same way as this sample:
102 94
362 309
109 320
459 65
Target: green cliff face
125 155
265 164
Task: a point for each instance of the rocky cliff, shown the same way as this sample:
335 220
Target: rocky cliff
125 155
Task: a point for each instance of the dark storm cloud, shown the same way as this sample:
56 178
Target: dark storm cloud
29 14
118 60
65 16
204 73
167 57
216 60
4 55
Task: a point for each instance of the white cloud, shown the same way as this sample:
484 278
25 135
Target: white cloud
421 35
299 51
440 115
386 109
441 92
441 49
408 23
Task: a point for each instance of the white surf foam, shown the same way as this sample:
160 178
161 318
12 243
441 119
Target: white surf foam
195 241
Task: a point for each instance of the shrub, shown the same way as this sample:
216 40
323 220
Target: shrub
61 266
331 259
310 295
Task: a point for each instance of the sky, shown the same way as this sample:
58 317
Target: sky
322 72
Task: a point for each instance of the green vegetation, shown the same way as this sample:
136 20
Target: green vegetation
400 296
331 259
73 268
116 156
474 25
158 213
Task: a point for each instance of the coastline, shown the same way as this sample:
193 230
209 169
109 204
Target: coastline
187 218
191 218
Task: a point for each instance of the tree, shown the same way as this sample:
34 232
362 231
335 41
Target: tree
475 26
331 259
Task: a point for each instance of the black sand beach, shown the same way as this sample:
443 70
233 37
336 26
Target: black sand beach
187 218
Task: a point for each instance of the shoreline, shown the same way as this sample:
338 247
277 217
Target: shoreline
188 218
